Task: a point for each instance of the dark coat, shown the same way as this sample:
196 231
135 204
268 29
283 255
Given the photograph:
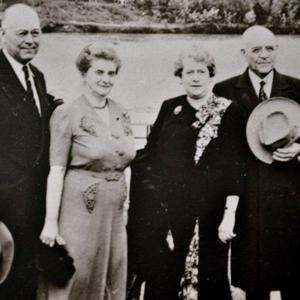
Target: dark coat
266 250
169 191
24 138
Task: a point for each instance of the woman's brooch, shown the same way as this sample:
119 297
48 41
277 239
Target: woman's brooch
126 123
177 110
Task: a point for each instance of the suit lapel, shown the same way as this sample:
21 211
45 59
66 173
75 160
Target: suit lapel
246 95
43 100
12 100
41 93
11 86
245 92
281 86
15 91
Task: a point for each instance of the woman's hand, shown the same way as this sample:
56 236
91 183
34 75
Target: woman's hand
55 181
50 234
225 230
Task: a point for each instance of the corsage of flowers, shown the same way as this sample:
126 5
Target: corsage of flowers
209 118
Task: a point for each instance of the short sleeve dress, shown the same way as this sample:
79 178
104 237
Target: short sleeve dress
91 214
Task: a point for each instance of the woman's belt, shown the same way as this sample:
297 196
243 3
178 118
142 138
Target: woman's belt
107 174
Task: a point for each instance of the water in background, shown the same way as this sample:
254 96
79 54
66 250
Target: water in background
146 77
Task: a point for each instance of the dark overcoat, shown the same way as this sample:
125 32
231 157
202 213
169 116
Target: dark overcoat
169 191
24 146
265 252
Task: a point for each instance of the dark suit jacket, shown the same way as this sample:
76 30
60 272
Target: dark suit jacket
240 89
266 249
24 138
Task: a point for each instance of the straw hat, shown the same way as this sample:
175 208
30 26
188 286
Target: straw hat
274 123
6 251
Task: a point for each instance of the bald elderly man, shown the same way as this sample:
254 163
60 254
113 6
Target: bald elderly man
25 108
266 250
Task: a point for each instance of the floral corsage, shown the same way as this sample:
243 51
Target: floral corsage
209 118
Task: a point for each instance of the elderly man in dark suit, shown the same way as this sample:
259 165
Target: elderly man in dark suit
265 253
25 108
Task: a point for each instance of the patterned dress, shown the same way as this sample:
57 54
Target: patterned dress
91 214
209 118
192 161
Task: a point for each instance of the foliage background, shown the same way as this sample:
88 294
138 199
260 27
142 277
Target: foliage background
203 16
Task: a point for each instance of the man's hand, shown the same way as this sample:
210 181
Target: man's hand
54 102
58 102
287 153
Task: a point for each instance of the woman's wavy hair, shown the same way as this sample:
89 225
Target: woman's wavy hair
93 52
199 54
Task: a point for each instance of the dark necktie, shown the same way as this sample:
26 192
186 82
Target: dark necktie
29 97
262 95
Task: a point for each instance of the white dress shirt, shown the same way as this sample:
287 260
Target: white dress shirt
255 80
18 69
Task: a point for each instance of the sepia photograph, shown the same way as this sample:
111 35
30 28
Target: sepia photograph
149 149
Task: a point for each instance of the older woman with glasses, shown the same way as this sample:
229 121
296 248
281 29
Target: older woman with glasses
91 146
190 177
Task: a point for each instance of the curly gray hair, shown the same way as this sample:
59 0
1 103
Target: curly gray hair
199 54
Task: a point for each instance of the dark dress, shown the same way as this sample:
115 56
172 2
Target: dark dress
170 191
265 253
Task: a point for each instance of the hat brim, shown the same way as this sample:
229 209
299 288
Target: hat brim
6 252
276 104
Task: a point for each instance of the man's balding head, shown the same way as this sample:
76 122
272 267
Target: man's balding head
20 32
259 49
256 33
